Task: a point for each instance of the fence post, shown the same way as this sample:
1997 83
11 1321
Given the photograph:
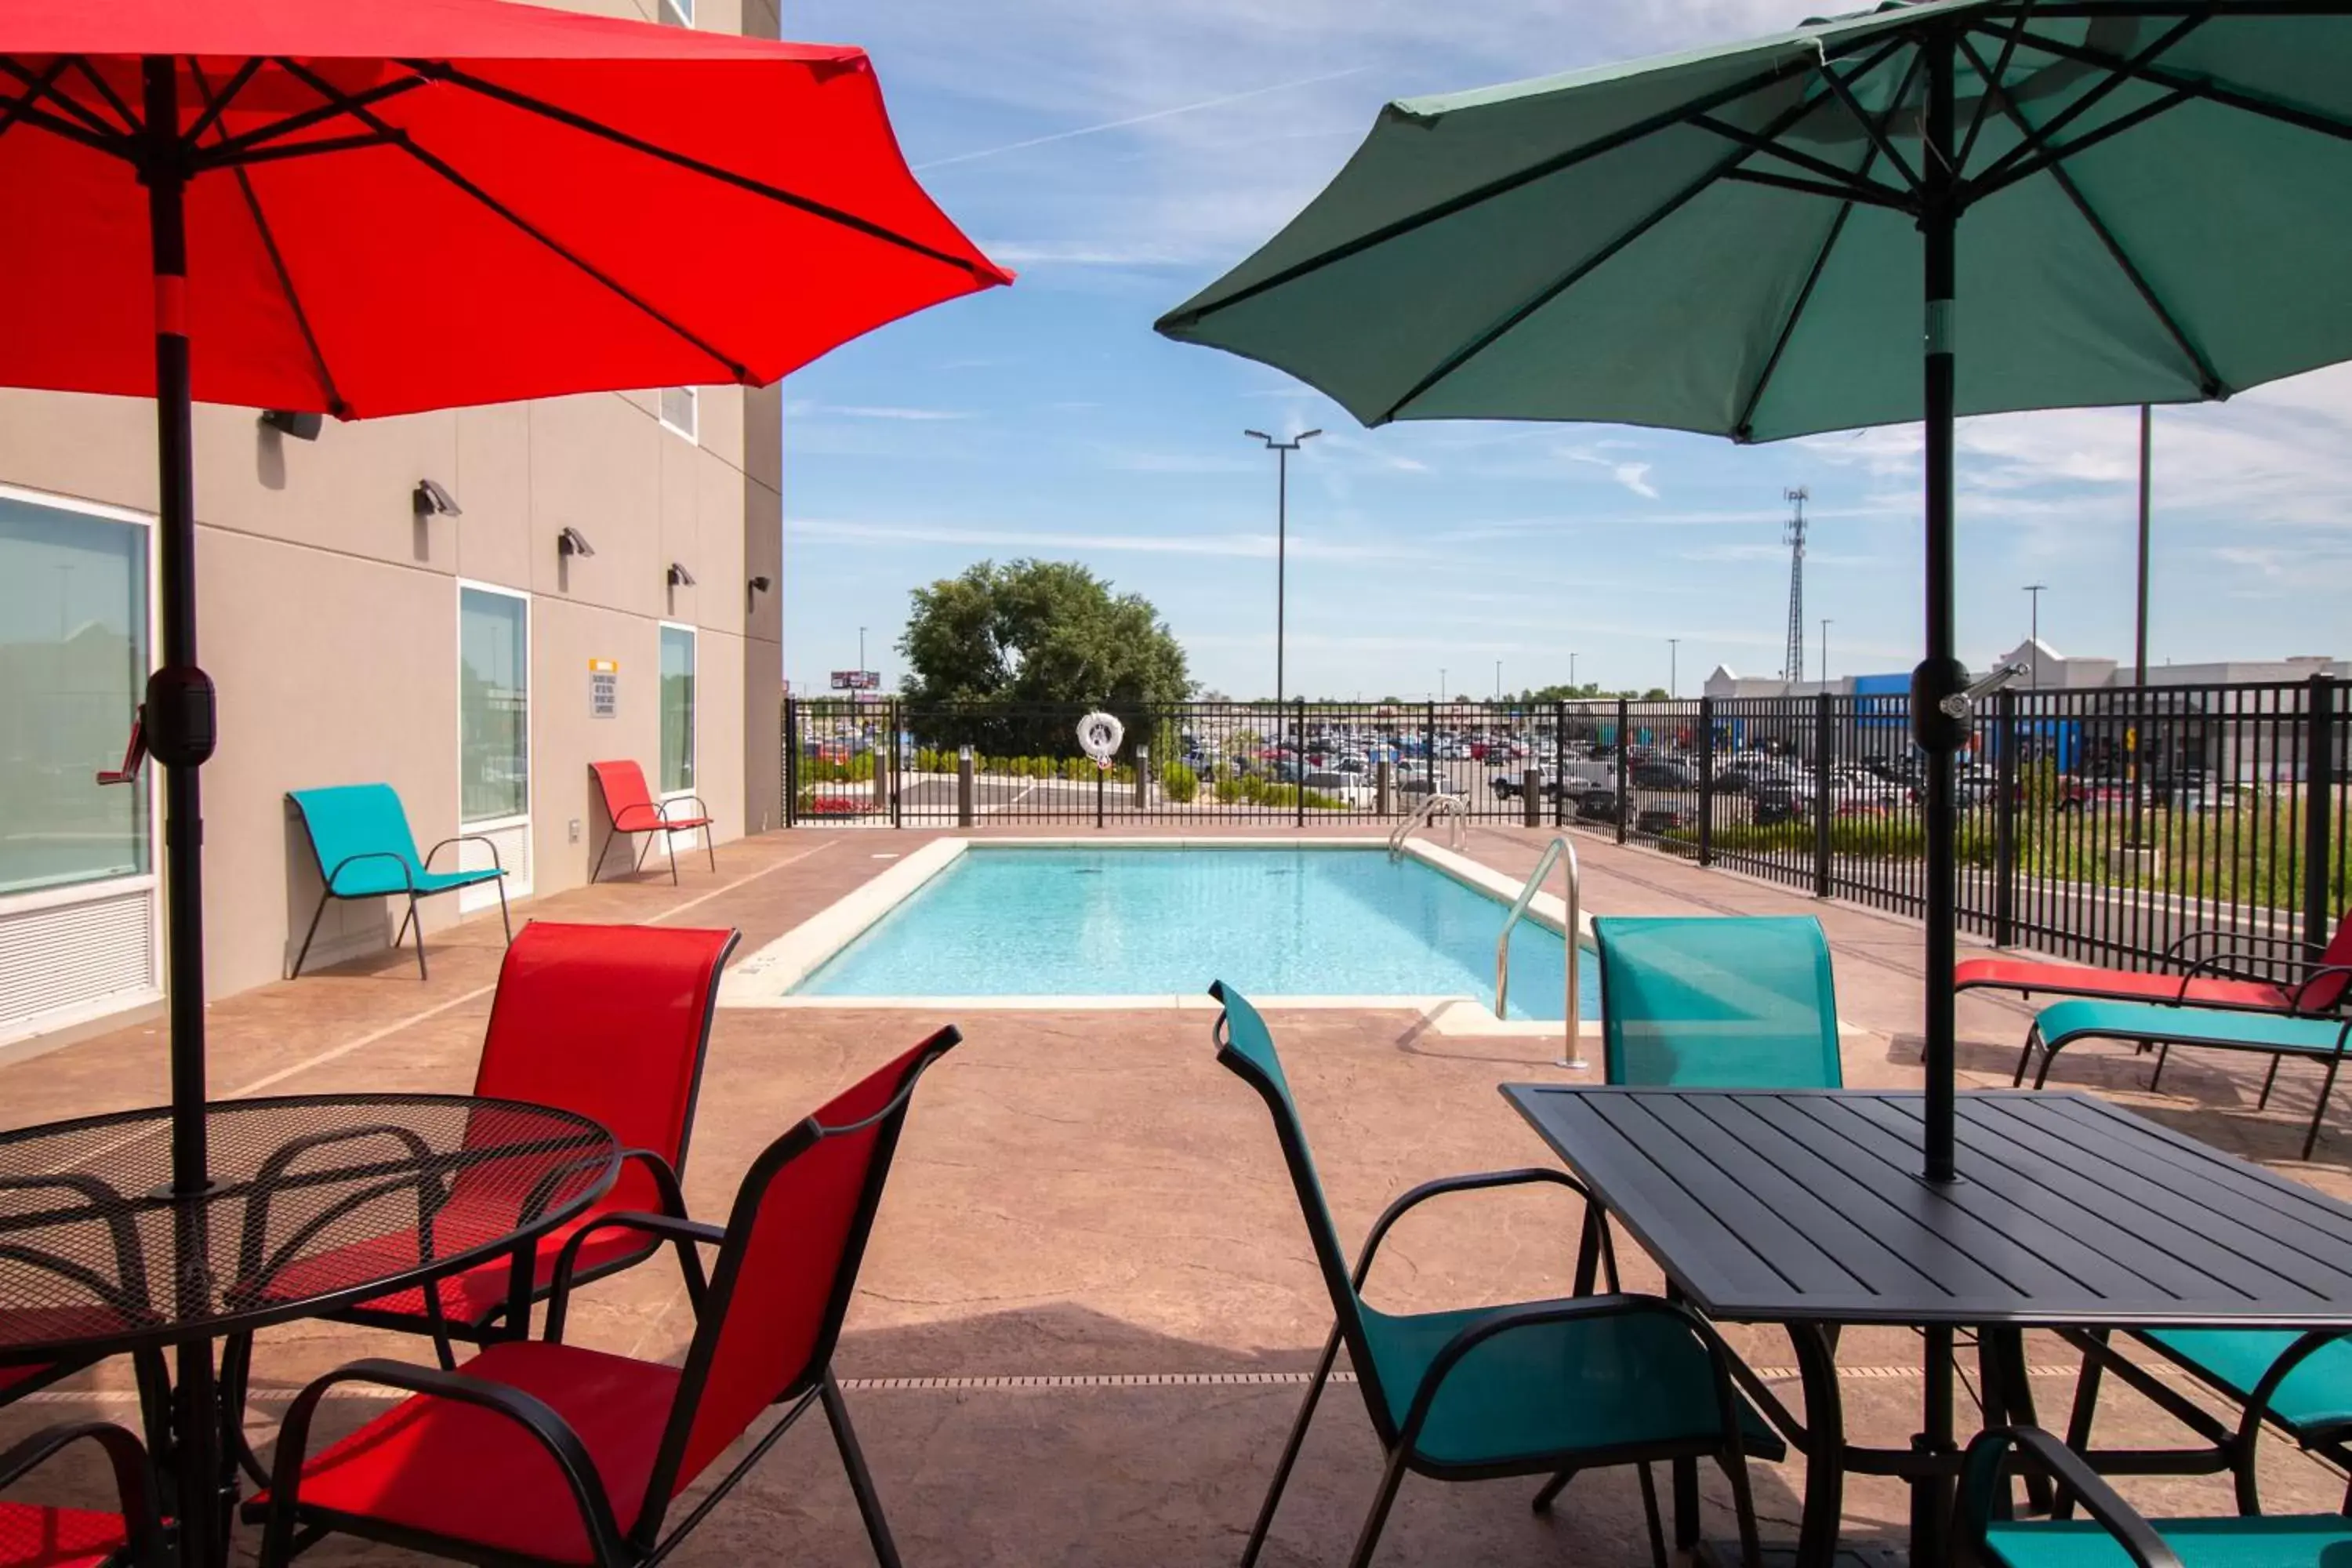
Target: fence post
1298 759
1559 763
1429 742
963 786
1705 781
1824 743
1531 796
2318 809
1624 764
897 820
2004 821
792 763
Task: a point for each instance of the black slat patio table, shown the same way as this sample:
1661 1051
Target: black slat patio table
317 1202
1807 1208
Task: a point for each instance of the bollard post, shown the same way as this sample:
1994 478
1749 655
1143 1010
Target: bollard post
1142 778
1531 797
1383 788
963 786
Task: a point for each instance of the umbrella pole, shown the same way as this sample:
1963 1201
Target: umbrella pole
179 725
1940 733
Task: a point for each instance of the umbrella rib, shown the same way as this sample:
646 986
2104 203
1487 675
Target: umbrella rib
443 71
2053 154
1583 270
1865 189
2043 138
440 166
15 109
2228 97
1992 84
104 138
335 404
229 150
1871 127
216 103
1542 169
1876 197
1744 429
130 126
2209 382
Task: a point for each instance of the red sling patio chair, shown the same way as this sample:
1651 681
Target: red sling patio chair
33 1535
540 1452
631 808
2220 978
609 1020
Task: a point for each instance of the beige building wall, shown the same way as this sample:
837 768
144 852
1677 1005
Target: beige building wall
328 612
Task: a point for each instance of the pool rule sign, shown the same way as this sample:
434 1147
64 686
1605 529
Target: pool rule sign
603 687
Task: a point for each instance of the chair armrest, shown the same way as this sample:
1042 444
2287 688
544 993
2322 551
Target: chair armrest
125 1454
1540 1314
1475 1182
1981 1473
2212 963
496 864
407 872
685 1232
662 810
527 1411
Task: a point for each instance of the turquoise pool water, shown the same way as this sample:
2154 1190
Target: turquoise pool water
1123 922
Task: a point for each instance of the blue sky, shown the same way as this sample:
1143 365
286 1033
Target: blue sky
1121 154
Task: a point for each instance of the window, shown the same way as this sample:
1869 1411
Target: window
493 705
676 709
680 12
73 663
677 410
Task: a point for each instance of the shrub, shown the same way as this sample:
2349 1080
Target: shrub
1179 782
1229 790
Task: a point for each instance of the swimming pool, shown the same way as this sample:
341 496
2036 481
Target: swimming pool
1288 922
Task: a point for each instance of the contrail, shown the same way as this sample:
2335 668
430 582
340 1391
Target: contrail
1142 118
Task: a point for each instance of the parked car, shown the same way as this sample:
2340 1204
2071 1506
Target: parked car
1774 802
1665 775
1512 786
1664 817
1597 806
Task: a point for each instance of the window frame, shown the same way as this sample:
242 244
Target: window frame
59 894
678 12
693 713
522 885
692 431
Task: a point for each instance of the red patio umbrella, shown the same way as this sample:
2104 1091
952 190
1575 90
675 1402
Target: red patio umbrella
376 206
366 207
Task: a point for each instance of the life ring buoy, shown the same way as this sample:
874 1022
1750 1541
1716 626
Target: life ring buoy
1099 735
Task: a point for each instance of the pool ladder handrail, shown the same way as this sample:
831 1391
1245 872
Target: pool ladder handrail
1458 806
1560 852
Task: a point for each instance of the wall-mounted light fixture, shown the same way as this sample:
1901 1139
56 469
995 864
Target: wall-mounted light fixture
301 426
680 577
432 499
760 584
572 541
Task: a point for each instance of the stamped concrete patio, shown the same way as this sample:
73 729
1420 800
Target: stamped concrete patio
1089 1306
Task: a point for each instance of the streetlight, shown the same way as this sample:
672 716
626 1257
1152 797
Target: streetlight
1499 680
1441 683
1281 450
1825 652
1571 671
1673 657
861 649
2034 591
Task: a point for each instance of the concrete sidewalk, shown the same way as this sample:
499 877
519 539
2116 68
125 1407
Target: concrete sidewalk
1083 1325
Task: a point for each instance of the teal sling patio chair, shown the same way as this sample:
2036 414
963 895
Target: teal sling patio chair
1717 1002
1526 1389
359 838
2114 1536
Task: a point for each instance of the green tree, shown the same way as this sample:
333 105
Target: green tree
1028 635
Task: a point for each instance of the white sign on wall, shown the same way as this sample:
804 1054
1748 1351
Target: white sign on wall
603 687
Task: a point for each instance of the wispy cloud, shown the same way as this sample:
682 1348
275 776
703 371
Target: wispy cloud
1131 120
801 409
1241 546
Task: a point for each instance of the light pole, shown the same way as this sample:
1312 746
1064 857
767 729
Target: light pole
1499 680
2034 592
1673 659
1825 652
861 650
1281 450
1441 683
1571 671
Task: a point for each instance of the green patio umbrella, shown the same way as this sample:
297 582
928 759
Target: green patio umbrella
1960 206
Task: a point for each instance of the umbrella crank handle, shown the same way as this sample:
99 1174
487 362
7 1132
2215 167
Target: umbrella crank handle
134 755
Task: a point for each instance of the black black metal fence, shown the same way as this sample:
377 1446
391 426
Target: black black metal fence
2100 824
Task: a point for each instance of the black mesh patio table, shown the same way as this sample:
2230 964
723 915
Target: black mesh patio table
1807 1208
315 1201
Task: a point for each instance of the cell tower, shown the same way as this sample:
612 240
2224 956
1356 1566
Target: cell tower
1796 665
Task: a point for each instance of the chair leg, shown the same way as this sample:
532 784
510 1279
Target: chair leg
319 913
643 850
1743 1505
1684 1476
669 847
504 919
2163 1055
1557 1484
1290 1450
2326 1088
1368 1539
1650 1513
2269 1078
861 1482
419 919
2026 1057
2080 1418
235 1377
709 851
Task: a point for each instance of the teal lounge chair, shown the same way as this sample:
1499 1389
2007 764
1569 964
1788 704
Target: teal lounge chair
1717 1001
1528 1389
2116 1536
359 838
2278 1035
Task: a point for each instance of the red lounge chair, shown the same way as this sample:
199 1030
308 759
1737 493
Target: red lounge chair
35 1536
633 809
2216 979
537 1451
609 1020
